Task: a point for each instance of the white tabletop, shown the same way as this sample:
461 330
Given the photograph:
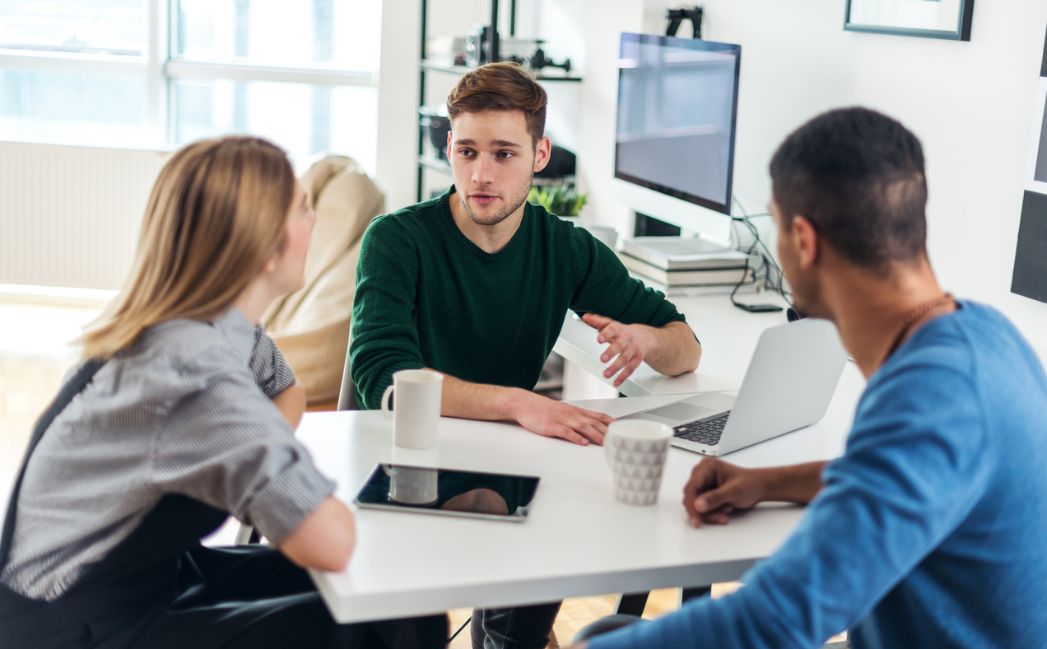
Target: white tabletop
577 539
728 336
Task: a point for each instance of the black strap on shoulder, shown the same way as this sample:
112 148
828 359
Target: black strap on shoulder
72 388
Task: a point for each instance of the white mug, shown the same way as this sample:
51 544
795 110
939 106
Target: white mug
416 417
636 451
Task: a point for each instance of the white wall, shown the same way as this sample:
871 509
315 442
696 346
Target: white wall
398 102
971 104
605 21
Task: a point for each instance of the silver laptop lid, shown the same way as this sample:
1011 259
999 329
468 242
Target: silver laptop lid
789 384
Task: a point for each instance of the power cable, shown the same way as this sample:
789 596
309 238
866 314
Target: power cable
464 624
768 262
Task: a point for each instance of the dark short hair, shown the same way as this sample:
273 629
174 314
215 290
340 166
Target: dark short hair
501 86
858 177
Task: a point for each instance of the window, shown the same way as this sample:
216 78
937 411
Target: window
153 73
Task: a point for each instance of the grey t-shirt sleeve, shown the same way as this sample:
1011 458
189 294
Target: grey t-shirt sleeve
270 368
228 446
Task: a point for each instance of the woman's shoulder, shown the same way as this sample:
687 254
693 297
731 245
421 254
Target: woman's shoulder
193 347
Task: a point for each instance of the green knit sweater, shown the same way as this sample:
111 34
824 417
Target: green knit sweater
426 296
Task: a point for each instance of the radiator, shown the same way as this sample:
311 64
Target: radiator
69 216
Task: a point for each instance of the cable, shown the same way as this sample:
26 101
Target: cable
768 262
464 624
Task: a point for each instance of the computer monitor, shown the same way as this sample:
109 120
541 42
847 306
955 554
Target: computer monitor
674 141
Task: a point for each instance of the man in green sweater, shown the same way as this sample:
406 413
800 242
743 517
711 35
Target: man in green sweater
475 285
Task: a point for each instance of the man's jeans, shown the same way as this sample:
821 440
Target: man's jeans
521 627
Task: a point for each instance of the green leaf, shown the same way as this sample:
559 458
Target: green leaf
560 199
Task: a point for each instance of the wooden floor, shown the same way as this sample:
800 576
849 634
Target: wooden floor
580 611
35 354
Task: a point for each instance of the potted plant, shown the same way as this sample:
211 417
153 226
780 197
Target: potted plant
562 199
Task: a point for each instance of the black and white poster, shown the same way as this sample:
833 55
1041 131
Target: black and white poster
1030 259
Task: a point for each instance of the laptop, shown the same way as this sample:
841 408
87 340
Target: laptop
790 381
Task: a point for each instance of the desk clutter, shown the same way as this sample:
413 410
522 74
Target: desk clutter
686 266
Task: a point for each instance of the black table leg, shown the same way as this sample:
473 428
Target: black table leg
631 604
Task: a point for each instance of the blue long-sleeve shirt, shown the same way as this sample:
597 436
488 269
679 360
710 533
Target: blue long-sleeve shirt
930 530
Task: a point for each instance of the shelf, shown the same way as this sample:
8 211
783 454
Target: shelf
435 164
429 162
462 69
445 65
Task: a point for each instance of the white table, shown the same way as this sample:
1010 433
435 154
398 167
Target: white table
728 336
577 540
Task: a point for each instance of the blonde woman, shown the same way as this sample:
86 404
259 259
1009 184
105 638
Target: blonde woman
181 414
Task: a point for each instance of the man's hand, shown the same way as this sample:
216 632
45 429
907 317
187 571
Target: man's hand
534 412
671 349
550 418
717 488
629 343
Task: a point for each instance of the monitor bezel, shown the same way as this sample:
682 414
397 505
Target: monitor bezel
699 45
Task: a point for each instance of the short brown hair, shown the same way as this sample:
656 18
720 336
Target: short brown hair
501 86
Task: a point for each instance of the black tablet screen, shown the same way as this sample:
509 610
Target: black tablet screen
445 491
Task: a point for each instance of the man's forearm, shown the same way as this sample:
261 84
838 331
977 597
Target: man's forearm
798 483
534 412
477 400
676 350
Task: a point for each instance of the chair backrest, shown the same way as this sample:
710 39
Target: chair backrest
311 326
347 393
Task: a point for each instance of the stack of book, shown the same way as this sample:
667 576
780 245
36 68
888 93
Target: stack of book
693 266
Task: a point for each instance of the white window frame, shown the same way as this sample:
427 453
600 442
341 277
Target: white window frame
161 71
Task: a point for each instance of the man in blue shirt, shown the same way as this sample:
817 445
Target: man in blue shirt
931 529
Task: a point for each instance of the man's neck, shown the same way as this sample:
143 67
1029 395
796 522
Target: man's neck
489 238
871 312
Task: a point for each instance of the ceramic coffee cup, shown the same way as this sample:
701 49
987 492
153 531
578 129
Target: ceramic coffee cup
416 409
636 451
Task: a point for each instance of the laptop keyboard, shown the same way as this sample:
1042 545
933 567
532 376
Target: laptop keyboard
704 432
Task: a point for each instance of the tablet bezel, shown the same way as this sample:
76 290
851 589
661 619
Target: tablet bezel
424 509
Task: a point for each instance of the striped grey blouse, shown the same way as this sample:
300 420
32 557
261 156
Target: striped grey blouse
185 410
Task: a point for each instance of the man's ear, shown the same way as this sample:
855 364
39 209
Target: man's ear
541 154
449 142
805 240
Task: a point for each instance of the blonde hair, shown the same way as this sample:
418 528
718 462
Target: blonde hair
216 215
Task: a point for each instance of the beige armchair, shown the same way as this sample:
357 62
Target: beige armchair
311 326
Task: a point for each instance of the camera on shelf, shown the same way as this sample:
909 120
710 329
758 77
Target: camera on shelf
526 51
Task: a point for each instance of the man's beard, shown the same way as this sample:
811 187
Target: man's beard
512 204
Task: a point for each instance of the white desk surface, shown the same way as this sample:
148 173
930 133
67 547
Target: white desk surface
577 540
728 336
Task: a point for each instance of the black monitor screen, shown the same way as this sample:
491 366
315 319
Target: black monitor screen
677 108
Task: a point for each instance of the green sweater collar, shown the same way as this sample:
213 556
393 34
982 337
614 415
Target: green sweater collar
475 250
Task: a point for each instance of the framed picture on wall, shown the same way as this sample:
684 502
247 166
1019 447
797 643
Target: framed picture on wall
948 19
1036 167
1030 256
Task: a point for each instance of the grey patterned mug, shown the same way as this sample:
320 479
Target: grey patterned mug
636 452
